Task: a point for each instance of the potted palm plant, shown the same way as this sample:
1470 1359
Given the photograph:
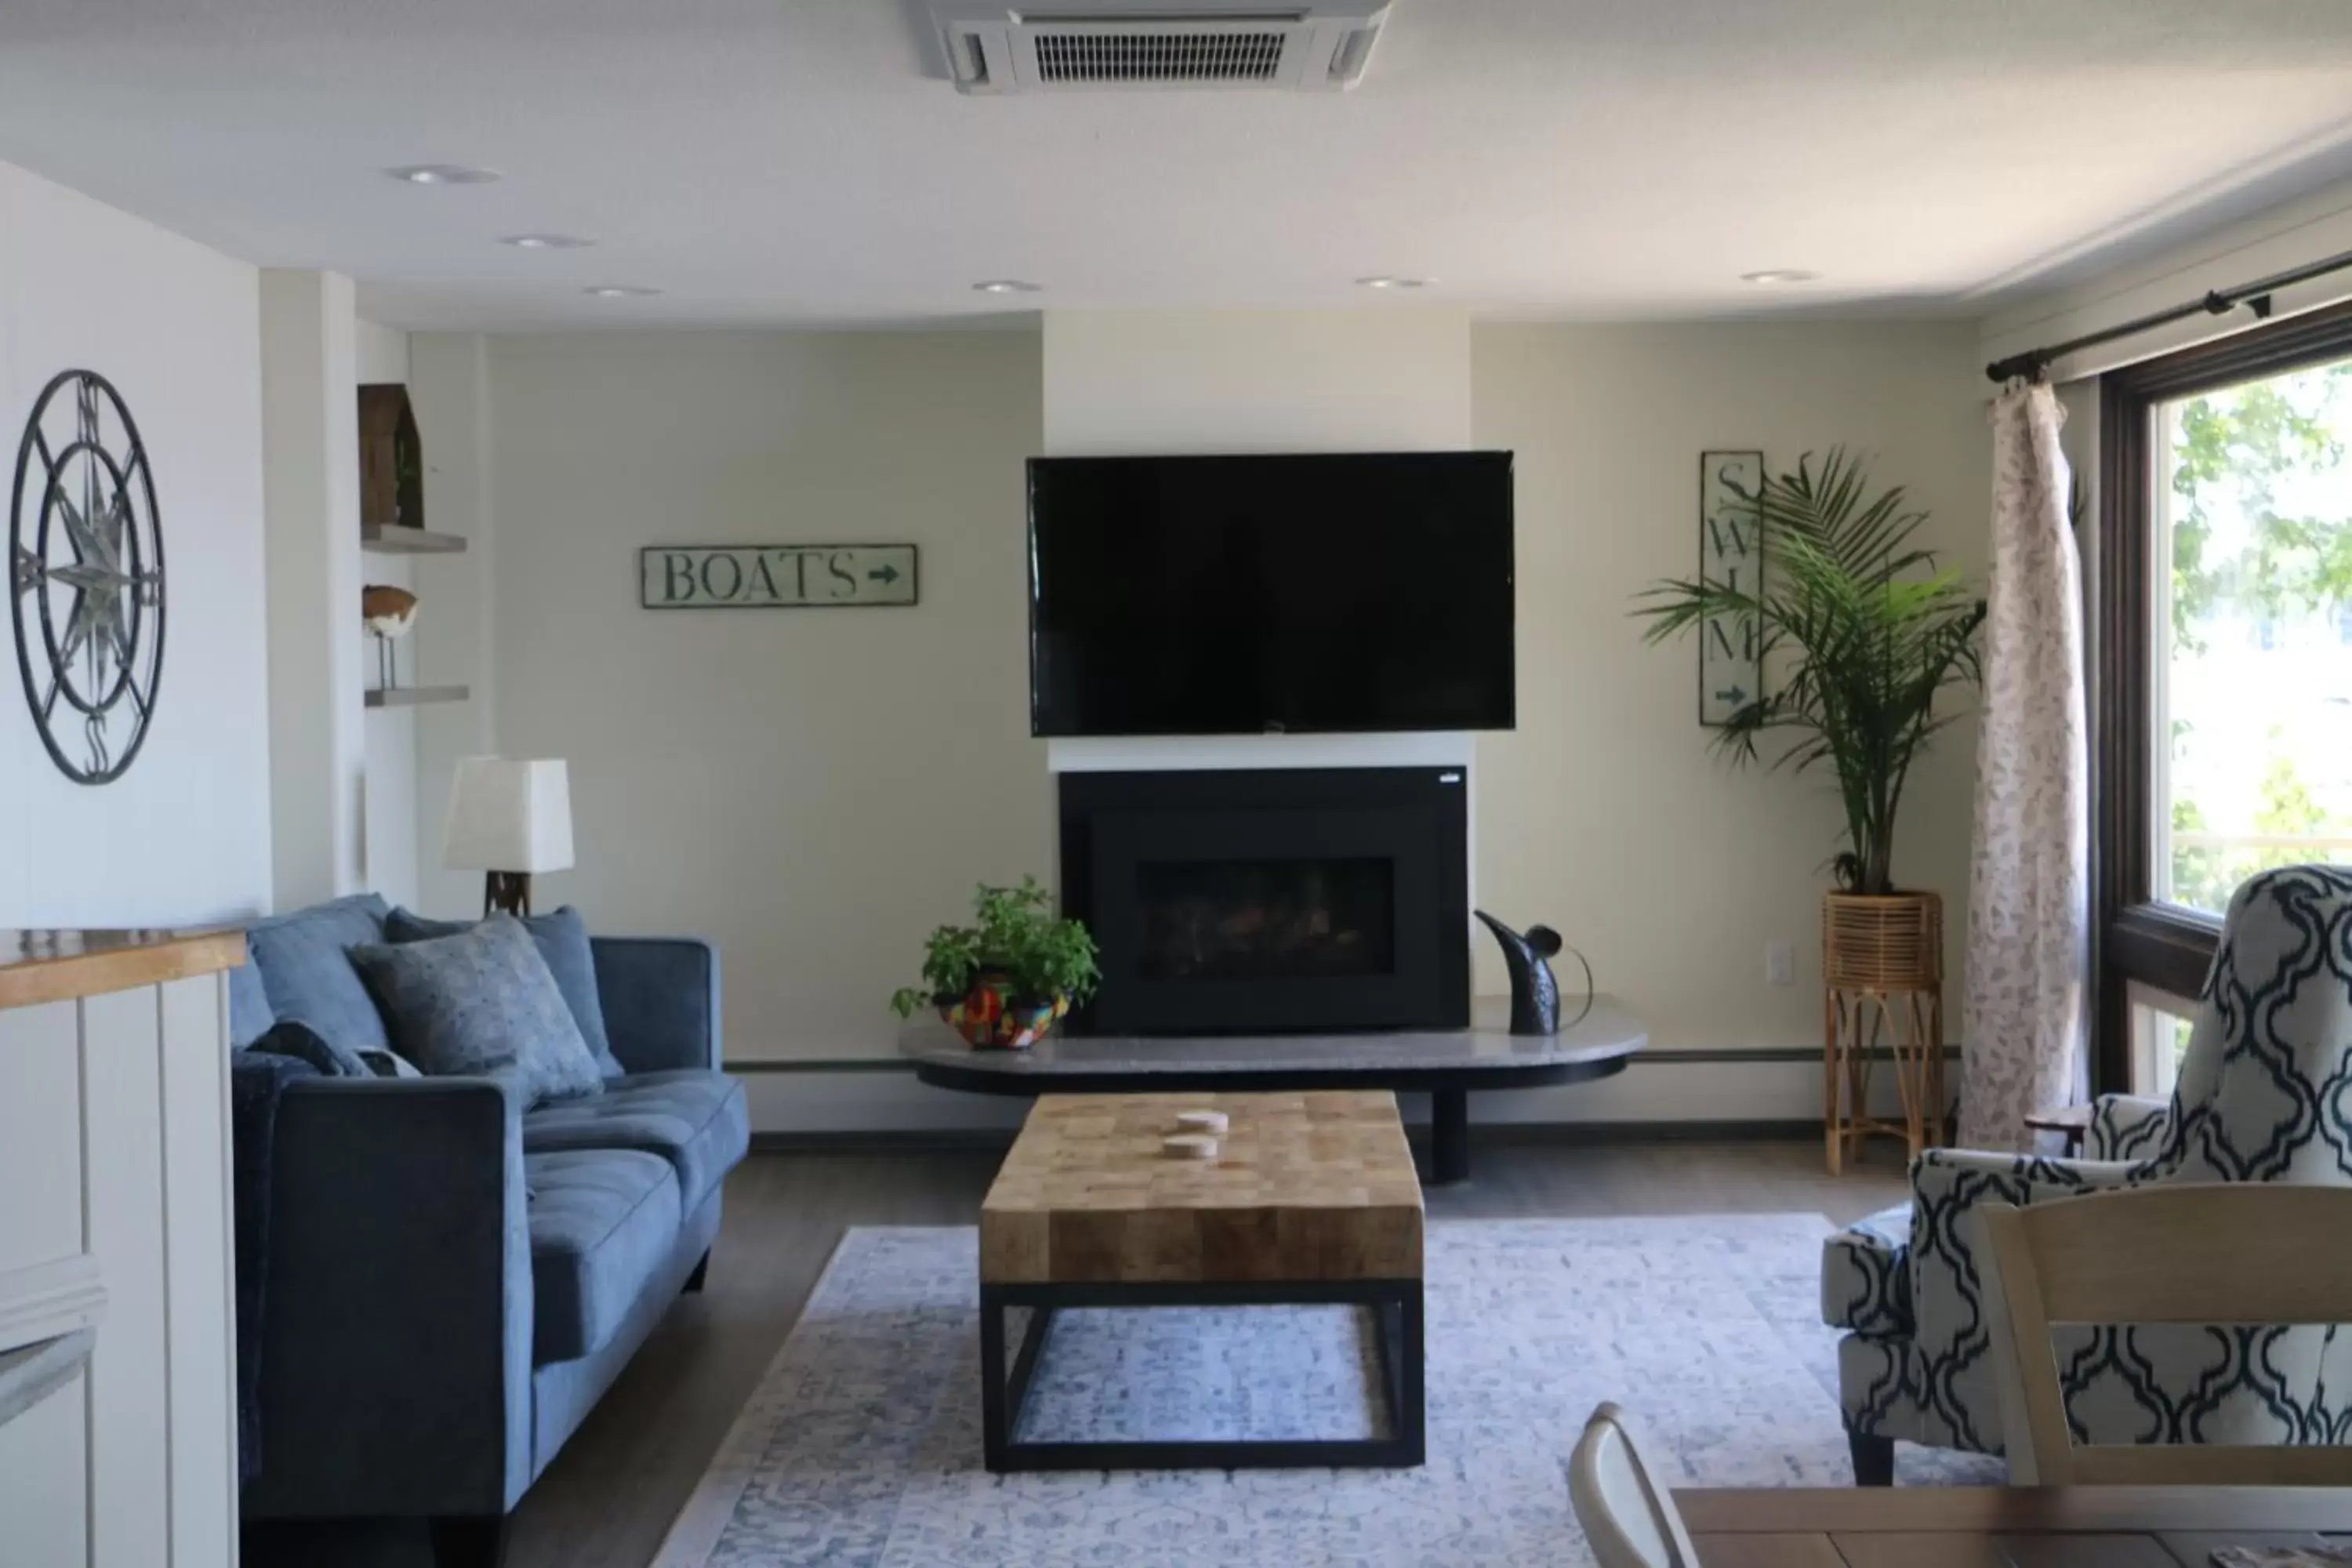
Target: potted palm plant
1861 632
1003 980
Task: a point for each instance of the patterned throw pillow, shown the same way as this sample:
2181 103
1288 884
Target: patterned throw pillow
292 1037
389 1064
481 1001
563 938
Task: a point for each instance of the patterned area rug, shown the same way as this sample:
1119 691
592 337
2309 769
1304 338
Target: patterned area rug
862 1446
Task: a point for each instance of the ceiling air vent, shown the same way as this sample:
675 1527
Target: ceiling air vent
1169 43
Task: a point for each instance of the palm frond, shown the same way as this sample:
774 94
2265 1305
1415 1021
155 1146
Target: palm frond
1867 631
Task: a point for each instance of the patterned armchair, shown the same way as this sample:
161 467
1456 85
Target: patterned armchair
2265 1094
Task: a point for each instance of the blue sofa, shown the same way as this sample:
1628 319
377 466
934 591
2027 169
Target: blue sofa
455 1278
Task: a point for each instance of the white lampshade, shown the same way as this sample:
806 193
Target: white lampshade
508 816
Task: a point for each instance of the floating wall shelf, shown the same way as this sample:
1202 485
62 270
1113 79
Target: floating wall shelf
415 696
399 540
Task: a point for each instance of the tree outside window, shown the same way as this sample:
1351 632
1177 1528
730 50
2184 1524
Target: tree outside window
2254 683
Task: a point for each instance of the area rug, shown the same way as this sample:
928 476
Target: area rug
861 1447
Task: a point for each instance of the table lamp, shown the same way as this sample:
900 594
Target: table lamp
508 820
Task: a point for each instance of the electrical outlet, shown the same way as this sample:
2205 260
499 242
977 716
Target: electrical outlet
1780 965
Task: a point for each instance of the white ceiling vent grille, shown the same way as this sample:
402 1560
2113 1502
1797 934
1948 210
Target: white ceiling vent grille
1070 57
1114 45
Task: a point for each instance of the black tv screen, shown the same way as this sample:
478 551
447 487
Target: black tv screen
1244 594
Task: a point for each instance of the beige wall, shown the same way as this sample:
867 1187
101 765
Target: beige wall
450 388
812 788
1603 814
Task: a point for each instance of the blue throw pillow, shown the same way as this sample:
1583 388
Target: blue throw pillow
305 975
482 1002
563 938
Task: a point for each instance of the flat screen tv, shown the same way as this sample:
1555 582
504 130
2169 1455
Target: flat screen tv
1249 595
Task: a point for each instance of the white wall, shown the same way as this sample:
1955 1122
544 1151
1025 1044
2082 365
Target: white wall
1121 381
184 836
379 353
310 495
1603 814
812 788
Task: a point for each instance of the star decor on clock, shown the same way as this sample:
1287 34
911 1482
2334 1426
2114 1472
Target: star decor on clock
86 582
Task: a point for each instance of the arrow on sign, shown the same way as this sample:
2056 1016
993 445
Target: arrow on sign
1731 694
883 575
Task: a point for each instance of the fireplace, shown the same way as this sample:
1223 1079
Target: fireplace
1271 900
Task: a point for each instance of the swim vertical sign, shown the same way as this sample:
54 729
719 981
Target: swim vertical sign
1730 555
774 576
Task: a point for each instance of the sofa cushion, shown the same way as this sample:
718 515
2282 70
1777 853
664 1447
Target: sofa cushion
563 939
481 1001
306 972
1866 1275
602 1221
696 1120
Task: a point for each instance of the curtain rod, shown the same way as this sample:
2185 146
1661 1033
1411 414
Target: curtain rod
2033 362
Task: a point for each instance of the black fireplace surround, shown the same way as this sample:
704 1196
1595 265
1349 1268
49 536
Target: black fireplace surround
1271 900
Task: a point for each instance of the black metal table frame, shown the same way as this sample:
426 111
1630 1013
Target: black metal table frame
1396 1305
1447 1087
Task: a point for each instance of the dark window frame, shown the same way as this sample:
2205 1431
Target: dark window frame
2135 938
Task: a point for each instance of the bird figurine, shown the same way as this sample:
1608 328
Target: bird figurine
388 612
1535 994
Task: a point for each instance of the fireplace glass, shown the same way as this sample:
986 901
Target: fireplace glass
1267 919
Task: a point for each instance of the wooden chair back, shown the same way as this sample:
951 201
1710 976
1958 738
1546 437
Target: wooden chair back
2220 1253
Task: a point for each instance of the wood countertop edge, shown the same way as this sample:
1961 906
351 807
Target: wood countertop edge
1827 1510
61 966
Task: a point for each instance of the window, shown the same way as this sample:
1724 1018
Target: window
2160 1036
2225 710
2254 517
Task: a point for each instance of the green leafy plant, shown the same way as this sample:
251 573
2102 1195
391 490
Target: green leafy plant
1013 933
1862 632
2242 451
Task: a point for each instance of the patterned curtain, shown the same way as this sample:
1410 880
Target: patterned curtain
2029 880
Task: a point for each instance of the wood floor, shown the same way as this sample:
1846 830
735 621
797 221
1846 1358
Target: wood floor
609 1498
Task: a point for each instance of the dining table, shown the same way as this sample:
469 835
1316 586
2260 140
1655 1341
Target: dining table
2003 1527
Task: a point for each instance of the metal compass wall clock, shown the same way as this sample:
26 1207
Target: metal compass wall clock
86 580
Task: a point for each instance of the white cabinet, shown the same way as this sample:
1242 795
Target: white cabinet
115 1219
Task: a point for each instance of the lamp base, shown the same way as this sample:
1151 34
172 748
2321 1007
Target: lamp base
506 893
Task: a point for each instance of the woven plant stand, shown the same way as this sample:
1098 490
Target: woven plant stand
1883 972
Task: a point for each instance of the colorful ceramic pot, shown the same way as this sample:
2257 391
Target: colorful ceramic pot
989 1019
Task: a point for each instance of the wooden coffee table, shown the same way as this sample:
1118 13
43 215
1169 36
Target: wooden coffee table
1312 1201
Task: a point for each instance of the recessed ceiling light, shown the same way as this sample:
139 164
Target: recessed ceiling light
1007 286
1383 281
443 175
547 242
621 291
1780 274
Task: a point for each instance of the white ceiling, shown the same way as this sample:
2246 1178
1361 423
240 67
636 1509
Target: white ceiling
805 161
